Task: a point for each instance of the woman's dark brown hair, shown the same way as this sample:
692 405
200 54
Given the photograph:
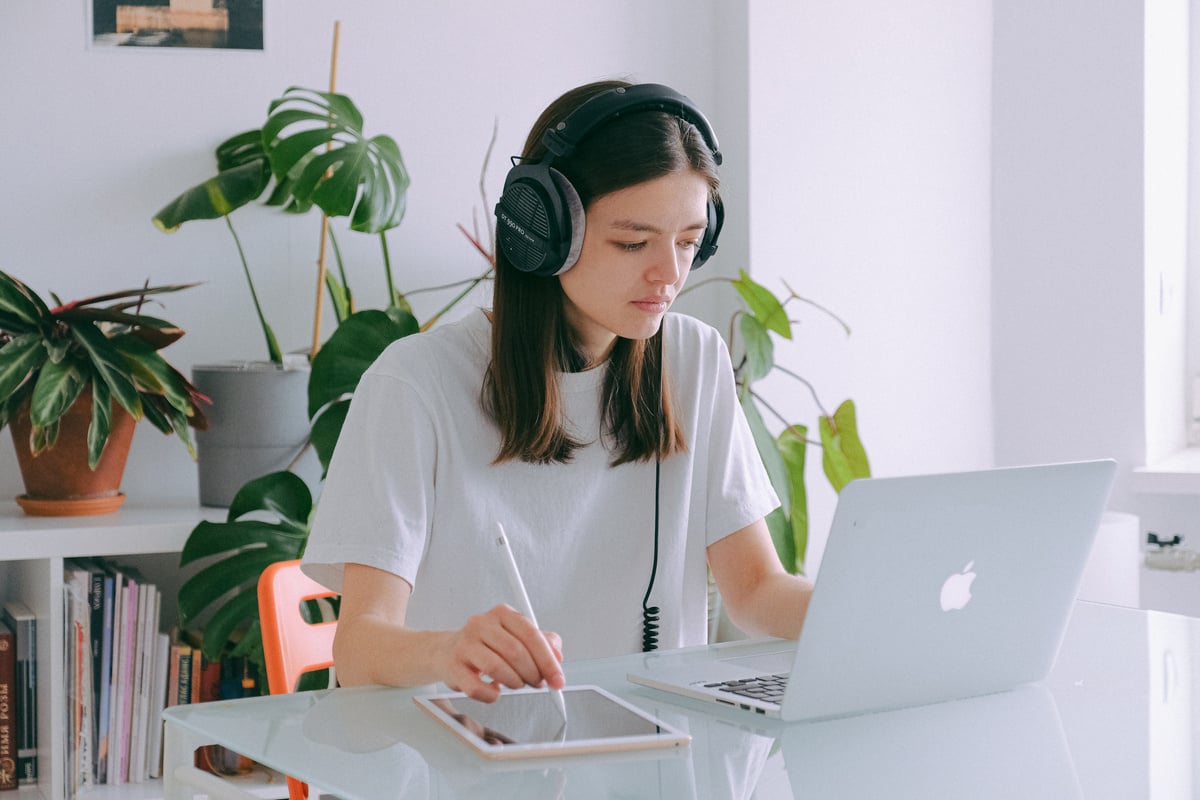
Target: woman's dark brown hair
531 339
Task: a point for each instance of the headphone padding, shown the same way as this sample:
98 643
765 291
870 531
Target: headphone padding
574 208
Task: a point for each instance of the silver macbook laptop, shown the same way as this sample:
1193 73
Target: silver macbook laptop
931 588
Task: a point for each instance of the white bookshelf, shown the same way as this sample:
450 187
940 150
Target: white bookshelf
32 552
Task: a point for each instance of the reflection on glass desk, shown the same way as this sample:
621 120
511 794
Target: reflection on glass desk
1117 718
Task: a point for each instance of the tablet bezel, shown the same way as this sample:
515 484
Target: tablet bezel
667 736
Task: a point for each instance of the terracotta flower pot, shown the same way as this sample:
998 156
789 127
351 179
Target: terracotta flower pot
58 482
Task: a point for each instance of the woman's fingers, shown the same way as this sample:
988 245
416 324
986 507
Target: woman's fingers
503 647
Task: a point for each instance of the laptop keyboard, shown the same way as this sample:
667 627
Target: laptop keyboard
768 688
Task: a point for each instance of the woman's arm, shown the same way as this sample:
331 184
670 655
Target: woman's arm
761 597
373 645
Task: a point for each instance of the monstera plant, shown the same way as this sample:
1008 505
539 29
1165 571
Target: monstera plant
268 520
311 151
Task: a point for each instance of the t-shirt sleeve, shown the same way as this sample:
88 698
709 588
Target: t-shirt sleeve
739 490
377 499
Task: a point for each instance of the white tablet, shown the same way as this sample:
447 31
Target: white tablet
527 724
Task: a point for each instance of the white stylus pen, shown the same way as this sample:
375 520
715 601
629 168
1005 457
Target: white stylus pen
526 608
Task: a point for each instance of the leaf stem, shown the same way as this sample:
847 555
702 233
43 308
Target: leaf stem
272 346
387 270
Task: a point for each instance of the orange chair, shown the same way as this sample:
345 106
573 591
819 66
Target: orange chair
291 645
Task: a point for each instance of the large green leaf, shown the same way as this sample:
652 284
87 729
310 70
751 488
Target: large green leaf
236 613
768 451
316 140
793 447
109 365
243 547
97 435
780 528
352 348
169 419
216 581
217 197
326 430
153 374
19 359
21 310
765 307
340 364
213 538
760 350
56 389
283 494
843 458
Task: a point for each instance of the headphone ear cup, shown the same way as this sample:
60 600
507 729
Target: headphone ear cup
576 220
708 245
533 224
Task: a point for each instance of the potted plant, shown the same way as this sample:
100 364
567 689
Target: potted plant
843 457
268 519
312 150
74 378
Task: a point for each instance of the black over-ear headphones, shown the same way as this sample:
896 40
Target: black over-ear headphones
540 216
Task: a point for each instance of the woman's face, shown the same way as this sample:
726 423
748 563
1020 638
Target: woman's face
638 247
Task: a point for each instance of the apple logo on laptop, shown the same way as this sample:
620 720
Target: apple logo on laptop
956 591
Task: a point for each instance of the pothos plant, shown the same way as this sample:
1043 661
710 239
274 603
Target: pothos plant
763 318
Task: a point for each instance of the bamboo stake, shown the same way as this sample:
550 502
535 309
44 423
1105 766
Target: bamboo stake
316 340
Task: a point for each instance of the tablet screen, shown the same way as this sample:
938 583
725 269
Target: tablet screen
528 722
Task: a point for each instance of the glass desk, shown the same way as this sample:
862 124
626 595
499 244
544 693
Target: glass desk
1117 718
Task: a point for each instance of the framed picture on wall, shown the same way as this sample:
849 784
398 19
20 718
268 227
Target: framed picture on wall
221 24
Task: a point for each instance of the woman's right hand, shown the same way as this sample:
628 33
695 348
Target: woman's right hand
500 647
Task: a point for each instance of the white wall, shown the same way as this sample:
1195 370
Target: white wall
870 132
1067 267
99 139
866 142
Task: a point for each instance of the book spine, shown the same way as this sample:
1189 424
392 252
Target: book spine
184 689
128 665
21 620
79 654
114 702
162 654
8 708
103 714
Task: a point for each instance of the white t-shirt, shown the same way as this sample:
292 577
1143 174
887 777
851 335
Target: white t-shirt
412 490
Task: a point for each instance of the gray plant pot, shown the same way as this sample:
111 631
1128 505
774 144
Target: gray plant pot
257 424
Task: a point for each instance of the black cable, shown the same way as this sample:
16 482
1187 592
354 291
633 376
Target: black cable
650 614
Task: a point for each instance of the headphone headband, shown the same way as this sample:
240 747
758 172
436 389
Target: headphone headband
562 139
540 217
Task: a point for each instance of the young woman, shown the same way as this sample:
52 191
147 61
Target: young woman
602 432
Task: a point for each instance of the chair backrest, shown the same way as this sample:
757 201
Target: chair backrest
291 645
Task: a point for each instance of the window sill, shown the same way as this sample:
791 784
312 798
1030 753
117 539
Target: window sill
1179 473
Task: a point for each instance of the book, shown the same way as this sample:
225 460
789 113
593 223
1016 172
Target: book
124 684
184 687
136 753
103 715
8 708
114 702
149 612
24 624
154 750
76 582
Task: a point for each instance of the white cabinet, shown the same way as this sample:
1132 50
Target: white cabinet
32 551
